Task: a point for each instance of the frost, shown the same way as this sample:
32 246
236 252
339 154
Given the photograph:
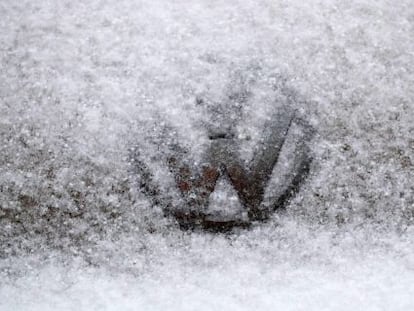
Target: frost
86 86
224 201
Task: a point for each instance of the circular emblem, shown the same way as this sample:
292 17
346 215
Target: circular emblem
223 191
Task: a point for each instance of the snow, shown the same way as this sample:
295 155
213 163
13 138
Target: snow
291 267
84 86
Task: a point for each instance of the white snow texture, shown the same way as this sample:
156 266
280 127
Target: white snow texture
86 86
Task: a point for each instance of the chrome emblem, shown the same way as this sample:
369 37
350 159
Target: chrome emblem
223 168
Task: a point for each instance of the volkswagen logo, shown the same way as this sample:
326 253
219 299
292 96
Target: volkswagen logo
223 191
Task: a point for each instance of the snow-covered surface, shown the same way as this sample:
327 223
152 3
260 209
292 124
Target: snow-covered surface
289 267
84 85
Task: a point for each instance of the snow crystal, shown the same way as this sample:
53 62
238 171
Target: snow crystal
87 86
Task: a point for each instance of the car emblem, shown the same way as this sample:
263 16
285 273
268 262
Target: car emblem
222 167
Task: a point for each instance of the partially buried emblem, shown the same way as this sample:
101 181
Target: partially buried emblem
224 192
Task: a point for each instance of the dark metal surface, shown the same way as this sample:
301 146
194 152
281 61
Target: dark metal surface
221 160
